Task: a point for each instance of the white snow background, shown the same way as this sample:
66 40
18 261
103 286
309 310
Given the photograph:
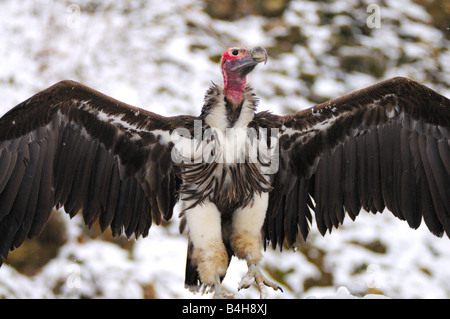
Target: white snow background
156 55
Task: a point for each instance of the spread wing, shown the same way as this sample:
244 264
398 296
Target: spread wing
74 147
386 146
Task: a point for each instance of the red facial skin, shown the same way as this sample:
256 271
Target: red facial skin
233 80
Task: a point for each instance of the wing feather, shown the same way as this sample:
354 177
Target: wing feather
80 183
45 201
363 169
424 200
93 203
130 227
67 151
351 195
321 187
374 165
439 172
444 153
24 193
383 146
9 156
112 196
5 167
337 194
9 193
291 218
304 214
396 178
73 147
409 189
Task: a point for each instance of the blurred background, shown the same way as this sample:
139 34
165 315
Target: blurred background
162 56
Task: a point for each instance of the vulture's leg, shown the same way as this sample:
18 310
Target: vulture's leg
209 253
246 241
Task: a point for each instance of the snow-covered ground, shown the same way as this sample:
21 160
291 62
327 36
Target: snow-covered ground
157 55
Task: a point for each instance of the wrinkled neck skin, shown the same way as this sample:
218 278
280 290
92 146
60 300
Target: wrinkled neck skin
234 86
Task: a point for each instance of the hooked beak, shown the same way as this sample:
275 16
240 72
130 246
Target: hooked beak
259 54
246 65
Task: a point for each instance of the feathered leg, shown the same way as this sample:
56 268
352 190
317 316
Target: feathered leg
208 253
246 241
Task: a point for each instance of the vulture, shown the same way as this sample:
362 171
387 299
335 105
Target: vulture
245 180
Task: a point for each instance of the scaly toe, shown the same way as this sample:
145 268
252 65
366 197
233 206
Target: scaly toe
221 293
254 275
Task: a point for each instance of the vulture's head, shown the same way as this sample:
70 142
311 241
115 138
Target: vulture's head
236 63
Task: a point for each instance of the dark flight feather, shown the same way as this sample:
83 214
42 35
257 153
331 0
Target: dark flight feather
73 147
383 146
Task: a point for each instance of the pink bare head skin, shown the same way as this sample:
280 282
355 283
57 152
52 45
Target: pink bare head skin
236 63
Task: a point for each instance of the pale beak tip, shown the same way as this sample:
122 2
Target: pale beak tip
259 54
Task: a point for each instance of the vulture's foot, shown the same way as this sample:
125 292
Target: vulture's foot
220 292
254 275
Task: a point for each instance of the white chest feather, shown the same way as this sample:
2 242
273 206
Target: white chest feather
246 116
217 117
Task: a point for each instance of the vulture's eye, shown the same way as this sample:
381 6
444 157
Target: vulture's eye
235 52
